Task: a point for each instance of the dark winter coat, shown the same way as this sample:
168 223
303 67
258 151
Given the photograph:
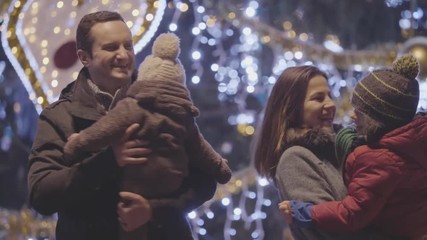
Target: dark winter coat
171 131
84 193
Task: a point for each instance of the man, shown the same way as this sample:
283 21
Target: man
85 192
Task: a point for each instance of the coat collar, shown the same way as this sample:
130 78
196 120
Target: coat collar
84 103
319 141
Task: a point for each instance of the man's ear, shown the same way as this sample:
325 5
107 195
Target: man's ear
84 57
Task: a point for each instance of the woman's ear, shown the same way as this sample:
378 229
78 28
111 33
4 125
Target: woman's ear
84 57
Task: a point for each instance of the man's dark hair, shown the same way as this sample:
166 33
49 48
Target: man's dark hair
83 39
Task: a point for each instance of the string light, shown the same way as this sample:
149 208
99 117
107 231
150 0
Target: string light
31 45
236 68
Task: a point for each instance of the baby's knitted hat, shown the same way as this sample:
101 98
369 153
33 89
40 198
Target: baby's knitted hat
163 63
389 96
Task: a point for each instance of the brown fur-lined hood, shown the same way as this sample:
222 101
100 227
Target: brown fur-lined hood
318 140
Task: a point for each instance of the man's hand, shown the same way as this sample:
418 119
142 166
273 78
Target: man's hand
133 210
130 151
71 149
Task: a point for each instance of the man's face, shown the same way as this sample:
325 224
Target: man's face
113 58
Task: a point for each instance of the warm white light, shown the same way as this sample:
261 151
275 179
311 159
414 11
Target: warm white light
247 31
255 235
237 211
272 80
200 9
202 231
214 67
135 12
192 215
202 26
196 55
56 30
149 17
183 7
60 4
210 215
195 31
267 202
333 46
250 12
263 182
54 73
211 42
225 201
358 67
195 79
289 55
250 89
232 232
40 100
200 222
43 43
251 195
54 83
173 27
298 55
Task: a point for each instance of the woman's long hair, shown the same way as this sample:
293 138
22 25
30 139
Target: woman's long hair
284 110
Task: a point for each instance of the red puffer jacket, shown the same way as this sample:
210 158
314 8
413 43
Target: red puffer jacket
387 186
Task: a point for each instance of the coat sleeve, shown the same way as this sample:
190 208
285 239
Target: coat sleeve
196 189
107 129
55 183
204 157
373 177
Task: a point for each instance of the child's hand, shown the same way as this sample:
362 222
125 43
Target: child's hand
285 208
297 212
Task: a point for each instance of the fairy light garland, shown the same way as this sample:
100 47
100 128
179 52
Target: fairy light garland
146 25
16 55
237 72
32 43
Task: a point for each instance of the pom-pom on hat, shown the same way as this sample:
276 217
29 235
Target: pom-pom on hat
163 64
389 96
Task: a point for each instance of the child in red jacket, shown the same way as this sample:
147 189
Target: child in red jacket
386 177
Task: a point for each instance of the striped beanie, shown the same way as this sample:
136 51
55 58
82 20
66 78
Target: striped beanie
389 96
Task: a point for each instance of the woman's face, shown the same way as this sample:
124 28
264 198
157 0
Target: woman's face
319 108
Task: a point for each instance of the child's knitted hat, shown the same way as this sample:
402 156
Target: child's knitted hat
163 63
389 96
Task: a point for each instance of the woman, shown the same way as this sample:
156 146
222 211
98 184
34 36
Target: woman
386 177
295 148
